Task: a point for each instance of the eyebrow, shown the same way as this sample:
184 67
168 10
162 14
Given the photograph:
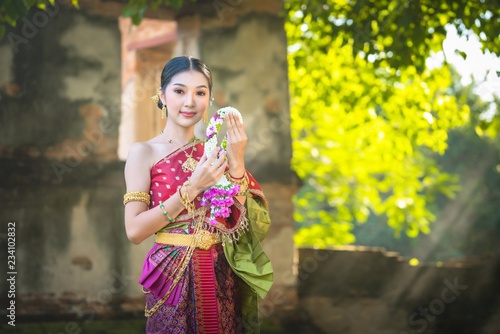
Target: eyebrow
182 85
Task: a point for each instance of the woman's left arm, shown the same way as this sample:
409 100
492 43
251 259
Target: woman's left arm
236 145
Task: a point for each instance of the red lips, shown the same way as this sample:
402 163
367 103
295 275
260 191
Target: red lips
188 114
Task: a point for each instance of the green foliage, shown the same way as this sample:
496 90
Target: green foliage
474 229
490 127
135 9
398 33
363 136
12 10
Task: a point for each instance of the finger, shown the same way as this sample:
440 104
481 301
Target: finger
238 126
221 159
230 118
222 168
203 159
230 123
213 156
221 165
234 129
201 162
237 121
230 135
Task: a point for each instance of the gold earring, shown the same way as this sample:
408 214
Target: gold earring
164 112
205 117
155 98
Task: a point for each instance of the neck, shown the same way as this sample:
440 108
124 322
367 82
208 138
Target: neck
179 135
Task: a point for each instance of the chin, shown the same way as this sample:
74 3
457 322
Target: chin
189 123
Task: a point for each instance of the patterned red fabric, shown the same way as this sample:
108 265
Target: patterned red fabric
204 287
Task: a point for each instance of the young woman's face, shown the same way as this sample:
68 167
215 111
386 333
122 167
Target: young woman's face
186 97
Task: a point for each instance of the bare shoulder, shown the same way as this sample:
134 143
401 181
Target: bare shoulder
144 153
139 150
137 167
139 156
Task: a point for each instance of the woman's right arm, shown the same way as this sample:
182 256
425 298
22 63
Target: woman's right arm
140 221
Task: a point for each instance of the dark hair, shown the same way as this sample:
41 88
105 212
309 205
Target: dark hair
181 64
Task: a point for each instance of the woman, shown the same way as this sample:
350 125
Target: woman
199 277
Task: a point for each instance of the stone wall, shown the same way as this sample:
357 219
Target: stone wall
367 290
62 183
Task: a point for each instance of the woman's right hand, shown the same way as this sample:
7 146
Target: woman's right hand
207 172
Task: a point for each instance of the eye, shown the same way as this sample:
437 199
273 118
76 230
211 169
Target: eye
178 91
201 93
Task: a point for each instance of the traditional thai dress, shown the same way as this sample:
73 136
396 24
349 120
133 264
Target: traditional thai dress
209 287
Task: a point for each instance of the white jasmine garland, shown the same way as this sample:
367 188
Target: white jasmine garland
220 195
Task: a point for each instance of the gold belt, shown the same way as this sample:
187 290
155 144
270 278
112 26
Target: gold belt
202 239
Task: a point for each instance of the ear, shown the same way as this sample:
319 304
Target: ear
161 94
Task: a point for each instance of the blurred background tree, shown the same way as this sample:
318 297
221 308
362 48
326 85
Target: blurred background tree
371 121
468 224
382 141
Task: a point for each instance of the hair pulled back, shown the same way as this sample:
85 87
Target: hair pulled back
180 64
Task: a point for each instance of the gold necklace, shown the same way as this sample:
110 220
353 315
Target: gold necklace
190 164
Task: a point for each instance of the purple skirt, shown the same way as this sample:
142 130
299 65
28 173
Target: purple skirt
206 300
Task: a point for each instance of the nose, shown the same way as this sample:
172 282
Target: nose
189 102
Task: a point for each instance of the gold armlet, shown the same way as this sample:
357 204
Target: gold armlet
136 196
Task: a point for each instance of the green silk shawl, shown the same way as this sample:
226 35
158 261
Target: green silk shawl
248 260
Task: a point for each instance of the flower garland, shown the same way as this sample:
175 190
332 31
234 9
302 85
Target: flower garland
220 196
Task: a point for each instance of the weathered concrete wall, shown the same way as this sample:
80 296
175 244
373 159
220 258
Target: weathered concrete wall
61 182
365 290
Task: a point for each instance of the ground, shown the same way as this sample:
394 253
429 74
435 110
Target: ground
121 326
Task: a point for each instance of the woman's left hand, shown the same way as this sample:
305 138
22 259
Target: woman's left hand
236 144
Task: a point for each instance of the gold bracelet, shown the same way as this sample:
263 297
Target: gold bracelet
184 197
241 181
165 212
138 196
